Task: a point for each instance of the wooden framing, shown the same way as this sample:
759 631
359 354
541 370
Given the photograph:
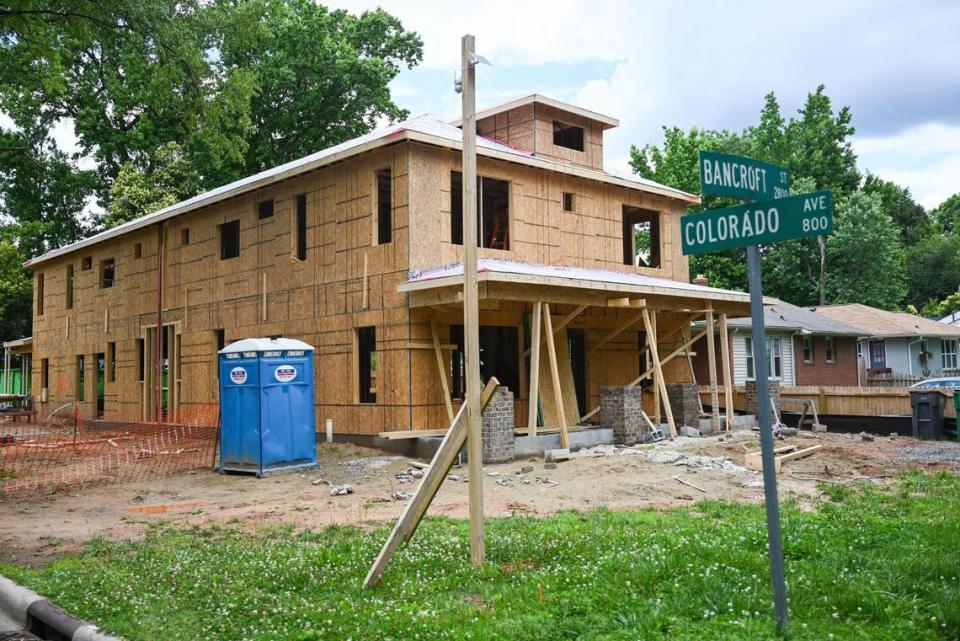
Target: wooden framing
566 320
432 480
712 363
727 371
658 372
555 376
533 394
441 369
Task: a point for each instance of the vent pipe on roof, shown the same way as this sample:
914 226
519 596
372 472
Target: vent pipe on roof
701 280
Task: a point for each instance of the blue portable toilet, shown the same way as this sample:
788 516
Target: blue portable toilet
266 406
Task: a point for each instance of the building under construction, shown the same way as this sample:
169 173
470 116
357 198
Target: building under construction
356 250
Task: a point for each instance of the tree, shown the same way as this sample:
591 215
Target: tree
16 292
867 262
933 268
911 218
820 146
947 214
137 193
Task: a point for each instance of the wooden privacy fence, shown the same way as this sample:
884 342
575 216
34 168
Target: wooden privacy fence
840 400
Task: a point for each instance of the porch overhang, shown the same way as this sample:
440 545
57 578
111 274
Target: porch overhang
512 280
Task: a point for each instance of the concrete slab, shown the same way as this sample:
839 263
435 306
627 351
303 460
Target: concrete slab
536 445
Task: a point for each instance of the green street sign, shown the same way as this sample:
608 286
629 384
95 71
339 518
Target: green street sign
741 177
758 223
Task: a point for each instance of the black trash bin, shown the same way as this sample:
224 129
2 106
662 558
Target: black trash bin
927 406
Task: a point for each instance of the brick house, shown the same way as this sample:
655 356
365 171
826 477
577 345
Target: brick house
803 347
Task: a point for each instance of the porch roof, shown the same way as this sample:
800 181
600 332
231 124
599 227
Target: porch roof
613 283
20 345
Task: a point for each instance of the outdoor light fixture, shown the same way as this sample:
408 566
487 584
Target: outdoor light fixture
475 59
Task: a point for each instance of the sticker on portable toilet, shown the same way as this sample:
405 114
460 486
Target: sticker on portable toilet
285 373
238 375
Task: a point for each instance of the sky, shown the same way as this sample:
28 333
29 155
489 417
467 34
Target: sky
655 63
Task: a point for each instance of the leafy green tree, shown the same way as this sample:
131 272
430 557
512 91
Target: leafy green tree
867 262
16 291
933 268
172 178
947 214
820 146
911 218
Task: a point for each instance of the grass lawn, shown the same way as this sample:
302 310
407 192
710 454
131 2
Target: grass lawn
866 564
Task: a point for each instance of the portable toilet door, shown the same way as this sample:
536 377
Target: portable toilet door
287 424
240 442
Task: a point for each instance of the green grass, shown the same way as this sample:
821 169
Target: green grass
866 564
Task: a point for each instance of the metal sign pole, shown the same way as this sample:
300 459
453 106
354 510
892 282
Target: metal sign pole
766 436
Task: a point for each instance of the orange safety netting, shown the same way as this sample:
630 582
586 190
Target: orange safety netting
70 450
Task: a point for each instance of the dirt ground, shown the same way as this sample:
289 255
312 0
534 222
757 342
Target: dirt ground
667 474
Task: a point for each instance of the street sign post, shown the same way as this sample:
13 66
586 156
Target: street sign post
740 177
770 215
759 223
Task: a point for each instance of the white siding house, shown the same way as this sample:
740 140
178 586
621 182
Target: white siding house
780 358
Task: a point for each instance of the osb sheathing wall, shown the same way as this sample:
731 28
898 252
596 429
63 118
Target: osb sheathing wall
321 300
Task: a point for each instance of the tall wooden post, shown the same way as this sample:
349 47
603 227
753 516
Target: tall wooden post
727 371
712 363
534 395
471 313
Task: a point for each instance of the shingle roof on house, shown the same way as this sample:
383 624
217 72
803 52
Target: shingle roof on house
427 128
884 324
784 316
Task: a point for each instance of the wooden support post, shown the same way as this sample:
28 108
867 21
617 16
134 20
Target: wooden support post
693 373
555 376
263 301
556 328
658 371
534 395
432 480
727 371
471 295
651 370
712 363
441 369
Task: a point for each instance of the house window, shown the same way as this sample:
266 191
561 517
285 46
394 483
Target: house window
265 209
229 239
302 227
140 359
185 236
86 263
831 349
493 208
948 353
39 294
367 364
499 357
568 136
808 349
748 347
641 237
44 373
107 273
112 362
70 286
878 354
384 207
776 359
81 378
567 201
138 250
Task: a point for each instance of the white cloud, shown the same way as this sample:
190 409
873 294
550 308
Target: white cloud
926 158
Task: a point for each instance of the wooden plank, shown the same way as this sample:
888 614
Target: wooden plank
658 371
712 364
441 369
656 383
754 460
534 395
398 435
555 375
693 372
432 480
366 278
556 328
727 371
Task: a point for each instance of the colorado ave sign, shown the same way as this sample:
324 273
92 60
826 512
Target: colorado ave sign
758 223
741 177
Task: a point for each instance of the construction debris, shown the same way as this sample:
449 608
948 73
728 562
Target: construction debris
400 495
689 484
754 460
866 437
341 490
556 455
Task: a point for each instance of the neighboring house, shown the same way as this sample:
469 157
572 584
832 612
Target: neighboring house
356 250
899 345
803 348
953 318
